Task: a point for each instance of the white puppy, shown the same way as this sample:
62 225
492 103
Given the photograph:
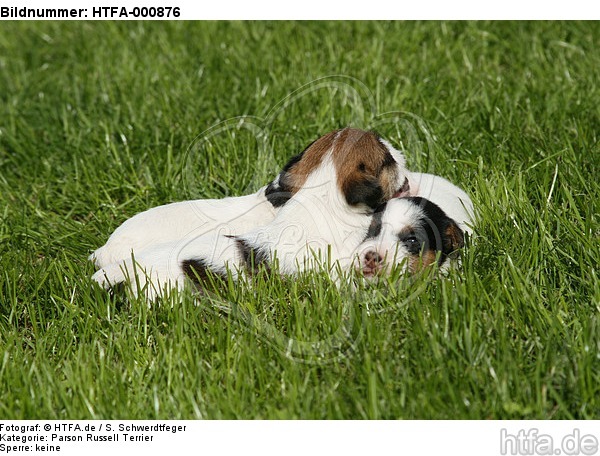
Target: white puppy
417 230
162 267
335 186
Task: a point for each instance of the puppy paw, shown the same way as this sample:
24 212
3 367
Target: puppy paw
148 280
111 252
109 275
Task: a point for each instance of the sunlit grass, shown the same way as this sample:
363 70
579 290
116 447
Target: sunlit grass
99 121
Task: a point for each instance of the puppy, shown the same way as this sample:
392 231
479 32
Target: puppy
325 199
410 231
184 219
352 172
190 219
434 230
160 268
417 230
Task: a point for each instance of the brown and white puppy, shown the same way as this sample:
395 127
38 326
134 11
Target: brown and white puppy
324 197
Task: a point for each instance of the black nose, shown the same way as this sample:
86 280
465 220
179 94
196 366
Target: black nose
373 258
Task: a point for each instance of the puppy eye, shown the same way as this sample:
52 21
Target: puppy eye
410 240
362 167
412 243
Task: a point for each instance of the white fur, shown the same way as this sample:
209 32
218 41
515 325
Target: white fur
450 198
399 213
398 157
157 269
184 220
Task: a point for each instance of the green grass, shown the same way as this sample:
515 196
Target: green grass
99 121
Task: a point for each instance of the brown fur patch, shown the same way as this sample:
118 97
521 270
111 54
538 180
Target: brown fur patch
417 263
311 159
360 156
360 161
455 238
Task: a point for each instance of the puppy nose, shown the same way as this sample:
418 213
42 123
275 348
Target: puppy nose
373 258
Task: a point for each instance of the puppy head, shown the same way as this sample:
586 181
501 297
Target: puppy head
369 171
413 231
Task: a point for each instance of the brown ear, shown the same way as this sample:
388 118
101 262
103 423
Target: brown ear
454 237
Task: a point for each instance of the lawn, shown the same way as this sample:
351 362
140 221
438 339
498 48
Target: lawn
99 121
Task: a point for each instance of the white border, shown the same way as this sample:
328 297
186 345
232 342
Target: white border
347 9
265 438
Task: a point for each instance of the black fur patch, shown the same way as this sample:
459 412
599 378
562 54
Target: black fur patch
278 193
253 258
196 270
436 231
376 223
367 191
295 159
389 160
416 239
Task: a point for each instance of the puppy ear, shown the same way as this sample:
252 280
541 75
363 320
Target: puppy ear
277 194
454 237
366 191
281 189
